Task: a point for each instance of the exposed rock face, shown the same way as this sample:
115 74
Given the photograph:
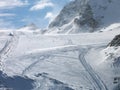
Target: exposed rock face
85 16
73 16
112 54
70 11
116 62
78 8
115 42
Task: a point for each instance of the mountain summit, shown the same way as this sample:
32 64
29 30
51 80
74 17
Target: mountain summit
86 16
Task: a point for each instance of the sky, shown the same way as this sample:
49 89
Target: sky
18 13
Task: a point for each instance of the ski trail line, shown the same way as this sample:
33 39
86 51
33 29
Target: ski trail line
8 47
97 82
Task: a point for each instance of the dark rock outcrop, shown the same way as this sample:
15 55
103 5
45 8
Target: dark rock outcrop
115 42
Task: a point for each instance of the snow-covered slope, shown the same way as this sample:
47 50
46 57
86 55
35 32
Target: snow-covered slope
30 60
55 62
86 16
112 58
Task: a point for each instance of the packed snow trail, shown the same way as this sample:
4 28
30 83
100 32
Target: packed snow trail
47 53
96 80
32 65
51 52
8 47
98 84
46 58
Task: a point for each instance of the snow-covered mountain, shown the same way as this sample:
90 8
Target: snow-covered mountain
86 16
31 60
111 56
30 28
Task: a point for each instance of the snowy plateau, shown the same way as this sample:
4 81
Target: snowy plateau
80 50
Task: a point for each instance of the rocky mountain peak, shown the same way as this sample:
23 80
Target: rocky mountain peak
86 16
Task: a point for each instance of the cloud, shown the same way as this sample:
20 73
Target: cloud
41 5
8 4
50 16
7 14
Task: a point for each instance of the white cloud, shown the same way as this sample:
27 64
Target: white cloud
8 4
41 5
50 16
6 14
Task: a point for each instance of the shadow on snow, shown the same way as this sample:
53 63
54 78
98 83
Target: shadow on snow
15 83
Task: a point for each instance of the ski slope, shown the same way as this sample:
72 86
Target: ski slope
97 82
56 62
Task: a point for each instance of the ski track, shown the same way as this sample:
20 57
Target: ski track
45 57
70 48
98 84
8 47
32 65
96 80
